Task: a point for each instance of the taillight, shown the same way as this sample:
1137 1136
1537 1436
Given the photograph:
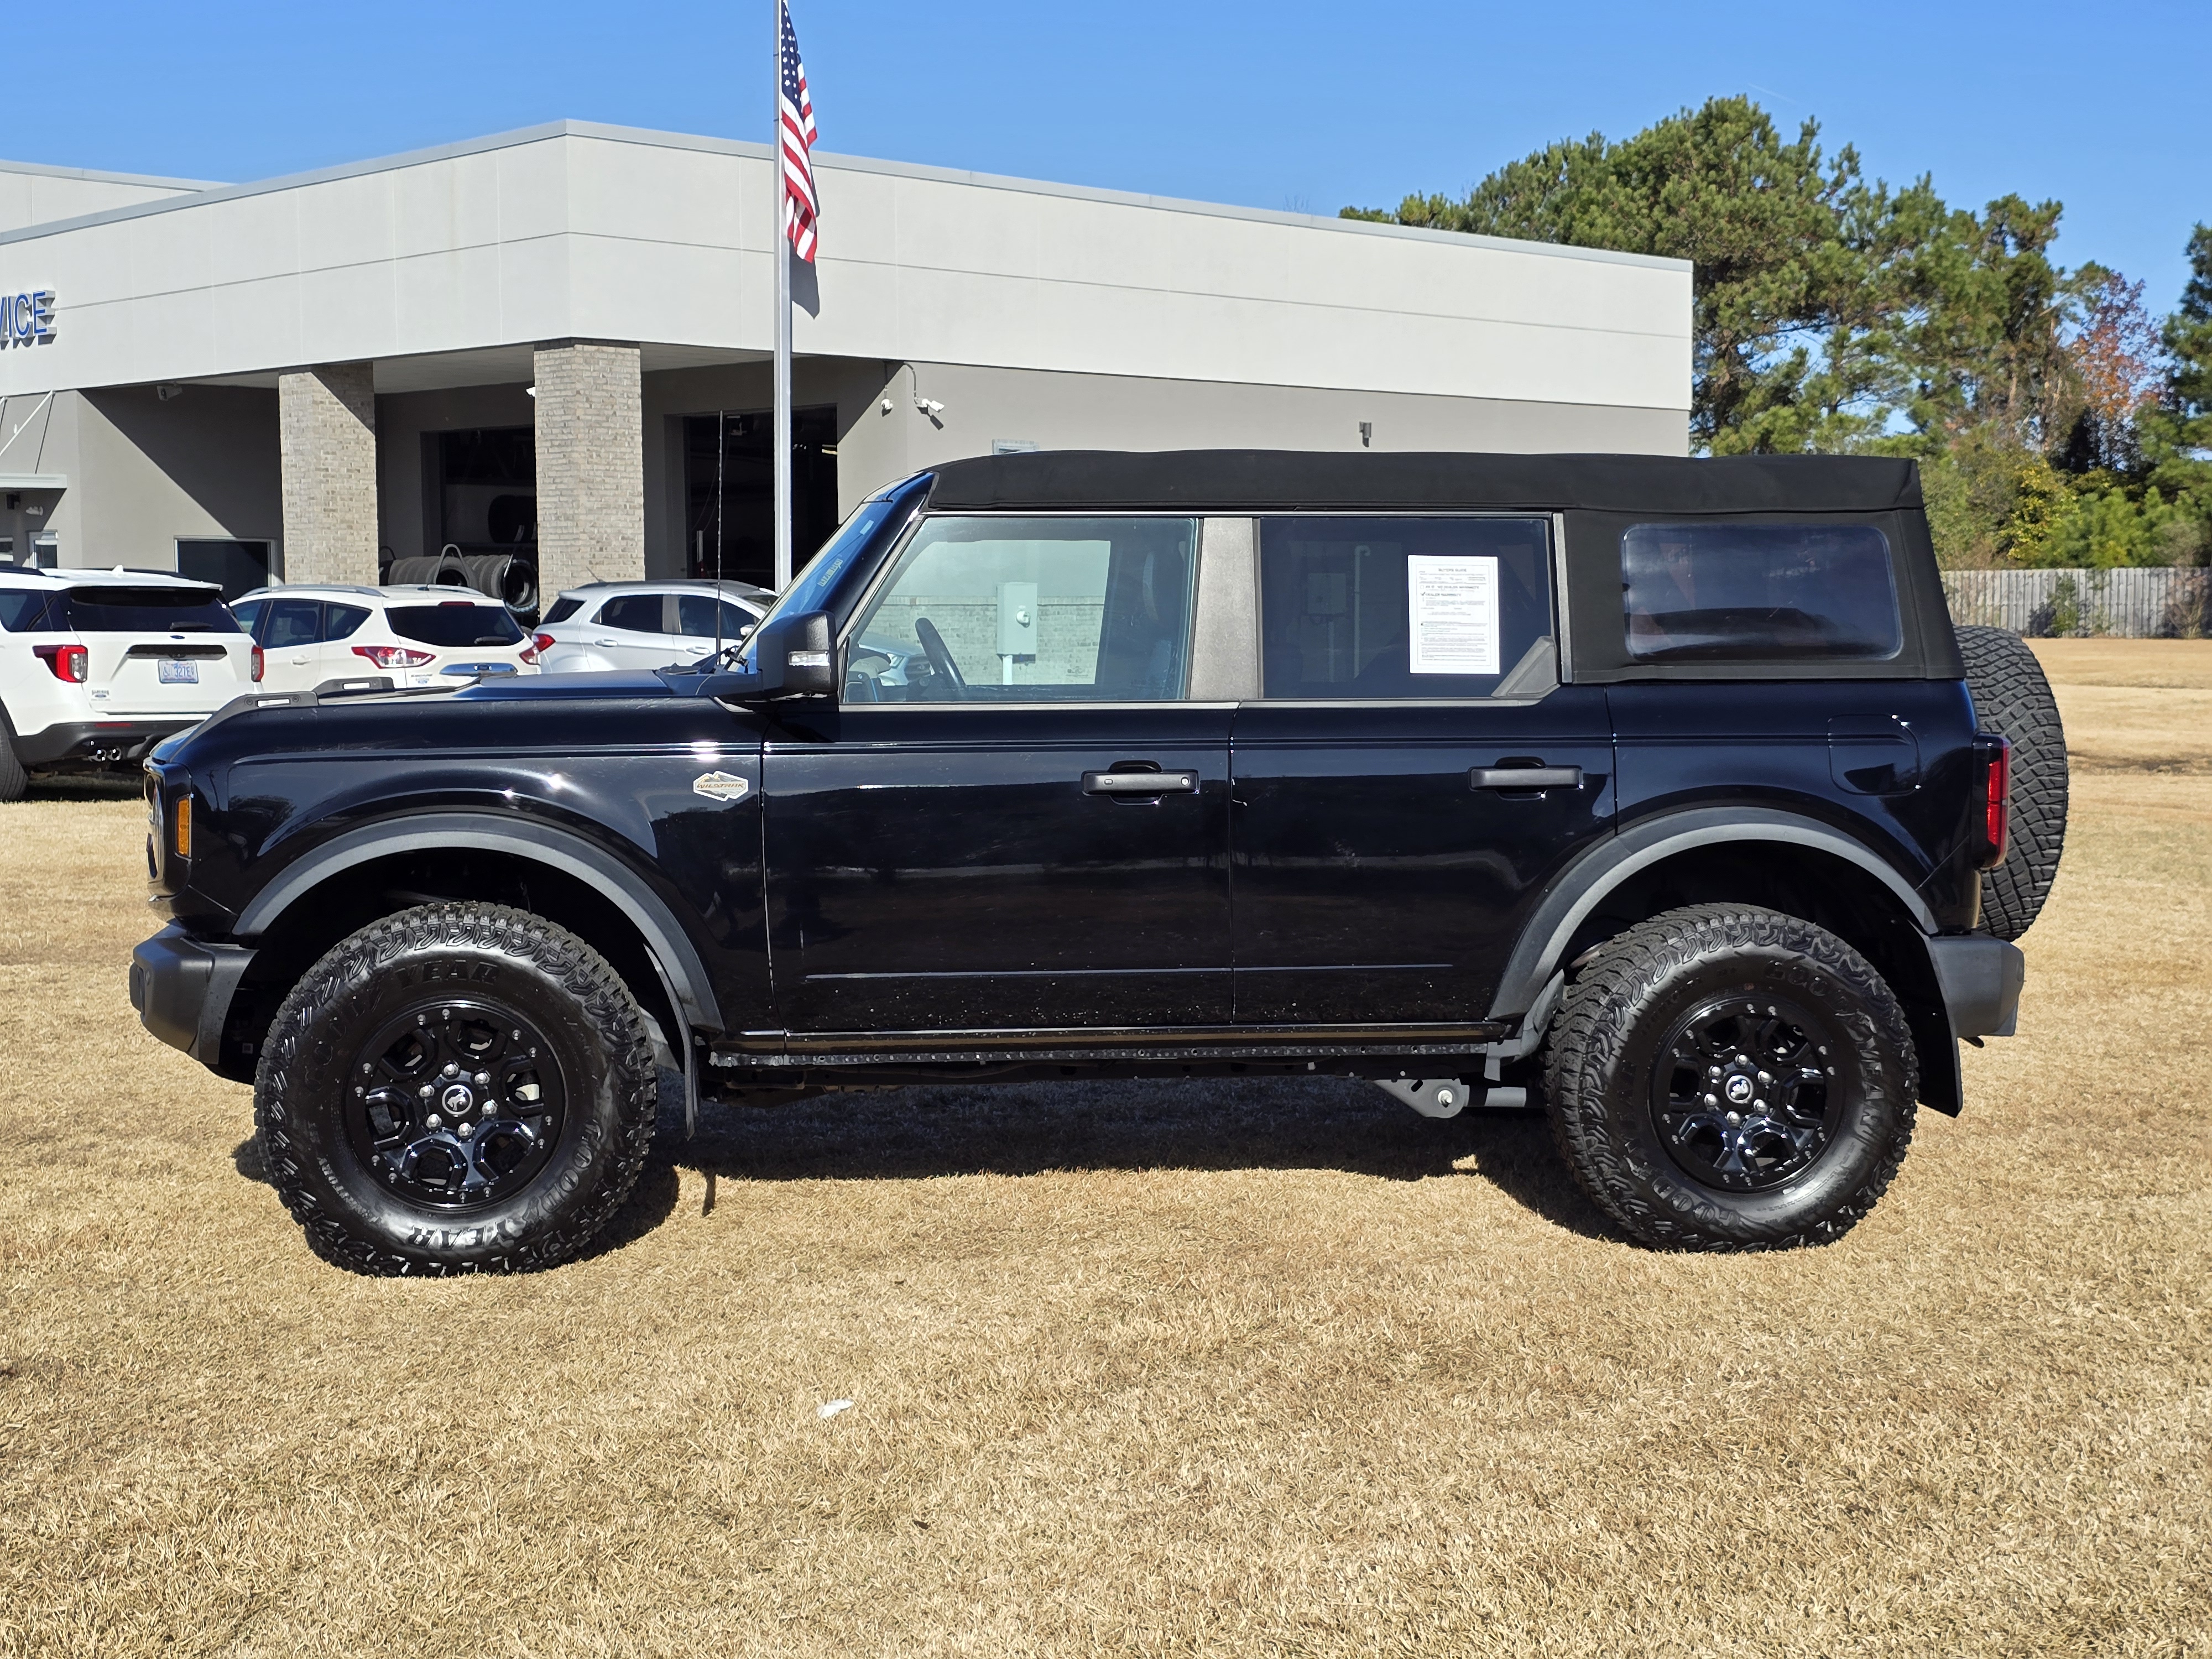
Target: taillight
260 662
68 662
539 643
395 656
1997 799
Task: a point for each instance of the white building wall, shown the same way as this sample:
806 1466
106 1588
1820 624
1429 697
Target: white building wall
35 195
585 232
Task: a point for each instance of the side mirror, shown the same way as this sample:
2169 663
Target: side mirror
793 656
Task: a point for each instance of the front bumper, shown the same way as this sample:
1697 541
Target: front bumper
1980 977
97 742
182 989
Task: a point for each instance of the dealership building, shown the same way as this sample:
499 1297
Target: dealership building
553 345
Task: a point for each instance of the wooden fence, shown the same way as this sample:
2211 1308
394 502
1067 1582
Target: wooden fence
2152 602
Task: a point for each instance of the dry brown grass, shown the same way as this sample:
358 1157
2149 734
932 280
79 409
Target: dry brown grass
1258 1369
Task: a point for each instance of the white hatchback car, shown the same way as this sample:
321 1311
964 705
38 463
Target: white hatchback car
309 634
610 625
97 666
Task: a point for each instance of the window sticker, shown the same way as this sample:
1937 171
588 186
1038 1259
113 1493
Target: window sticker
1451 604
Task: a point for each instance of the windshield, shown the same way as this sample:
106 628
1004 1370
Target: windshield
811 588
149 610
450 624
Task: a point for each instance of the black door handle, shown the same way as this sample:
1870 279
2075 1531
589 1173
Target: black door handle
1127 784
1525 777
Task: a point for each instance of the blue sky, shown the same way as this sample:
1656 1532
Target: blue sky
1287 104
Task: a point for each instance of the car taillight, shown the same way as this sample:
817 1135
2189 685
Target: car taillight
1997 799
67 662
395 656
259 663
538 643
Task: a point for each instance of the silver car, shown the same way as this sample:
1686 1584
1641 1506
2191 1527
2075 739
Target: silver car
604 626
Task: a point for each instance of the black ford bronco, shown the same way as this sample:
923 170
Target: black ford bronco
1661 793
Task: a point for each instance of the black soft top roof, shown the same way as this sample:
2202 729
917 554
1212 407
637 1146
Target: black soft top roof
1286 480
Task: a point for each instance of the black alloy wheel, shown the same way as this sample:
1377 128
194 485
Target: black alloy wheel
457 1104
1724 1077
1745 1097
457 1088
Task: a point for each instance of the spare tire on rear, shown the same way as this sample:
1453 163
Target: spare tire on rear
2013 699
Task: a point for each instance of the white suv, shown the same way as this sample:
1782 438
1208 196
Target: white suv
309 634
96 667
610 625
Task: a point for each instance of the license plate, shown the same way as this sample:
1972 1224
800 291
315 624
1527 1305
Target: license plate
179 672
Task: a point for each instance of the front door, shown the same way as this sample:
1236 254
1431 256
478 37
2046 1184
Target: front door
1014 820
1412 774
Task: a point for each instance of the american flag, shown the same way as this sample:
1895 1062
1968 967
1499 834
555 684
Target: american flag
795 113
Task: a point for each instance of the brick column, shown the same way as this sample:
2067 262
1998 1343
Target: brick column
326 435
591 466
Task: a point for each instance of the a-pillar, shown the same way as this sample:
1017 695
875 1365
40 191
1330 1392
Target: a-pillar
326 433
591 464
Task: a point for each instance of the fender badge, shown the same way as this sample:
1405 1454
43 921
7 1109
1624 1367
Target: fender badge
720 785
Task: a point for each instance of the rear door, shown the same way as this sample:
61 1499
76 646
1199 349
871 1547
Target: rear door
704 622
290 634
636 630
1412 774
1027 828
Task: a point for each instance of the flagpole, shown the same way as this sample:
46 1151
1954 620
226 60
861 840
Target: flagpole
782 439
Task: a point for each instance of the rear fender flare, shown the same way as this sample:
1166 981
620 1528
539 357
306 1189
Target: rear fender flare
1584 884
683 976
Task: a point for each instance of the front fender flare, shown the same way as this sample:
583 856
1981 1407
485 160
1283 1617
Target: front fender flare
682 973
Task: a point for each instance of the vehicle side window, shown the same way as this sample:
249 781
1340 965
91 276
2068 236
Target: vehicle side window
639 613
340 620
291 622
1758 592
1403 608
695 617
248 612
1008 609
564 608
22 611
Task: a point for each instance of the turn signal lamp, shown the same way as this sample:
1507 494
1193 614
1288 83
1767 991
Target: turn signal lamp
180 827
395 656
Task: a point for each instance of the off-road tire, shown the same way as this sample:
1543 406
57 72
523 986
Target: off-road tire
14 780
1603 1046
507 959
2013 699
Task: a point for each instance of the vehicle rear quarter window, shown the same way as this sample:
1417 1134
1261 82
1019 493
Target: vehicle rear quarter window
149 610
23 611
1758 592
1402 608
991 609
449 625
635 613
341 620
564 608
